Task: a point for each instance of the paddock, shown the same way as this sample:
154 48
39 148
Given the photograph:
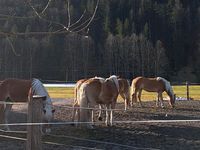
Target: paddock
136 128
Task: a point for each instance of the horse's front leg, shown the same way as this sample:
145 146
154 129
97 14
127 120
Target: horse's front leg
158 101
126 104
134 97
139 97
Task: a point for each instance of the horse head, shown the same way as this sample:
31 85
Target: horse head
169 90
48 111
172 98
134 99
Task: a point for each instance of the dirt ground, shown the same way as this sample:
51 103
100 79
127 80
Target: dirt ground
121 136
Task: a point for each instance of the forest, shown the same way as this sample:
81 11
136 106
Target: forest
65 40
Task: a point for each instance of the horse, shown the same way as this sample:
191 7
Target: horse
18 90
98 91
124 91
76 103
157 84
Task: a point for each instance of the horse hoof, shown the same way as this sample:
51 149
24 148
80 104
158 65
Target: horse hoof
100 119
90 127
72 124
48 131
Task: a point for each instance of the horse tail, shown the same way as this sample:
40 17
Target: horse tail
75 94
115 80
129 89
133 87
83 103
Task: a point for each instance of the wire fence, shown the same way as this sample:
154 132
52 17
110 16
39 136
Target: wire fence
81 123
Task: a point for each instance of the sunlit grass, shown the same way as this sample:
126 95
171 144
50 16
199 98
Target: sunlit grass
180 91
61 92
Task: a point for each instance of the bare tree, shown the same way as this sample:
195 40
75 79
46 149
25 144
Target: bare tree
53 27
77 26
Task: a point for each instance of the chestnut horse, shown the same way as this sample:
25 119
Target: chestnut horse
157 84
124 91
18 90
76 103
98 91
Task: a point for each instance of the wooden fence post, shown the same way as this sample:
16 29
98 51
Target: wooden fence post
188 92
34 135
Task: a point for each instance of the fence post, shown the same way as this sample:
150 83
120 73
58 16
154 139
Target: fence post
188 92
34 135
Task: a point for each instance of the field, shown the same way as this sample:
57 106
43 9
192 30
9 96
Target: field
123 135
180 91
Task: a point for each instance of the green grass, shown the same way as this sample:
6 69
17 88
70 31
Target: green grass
180 91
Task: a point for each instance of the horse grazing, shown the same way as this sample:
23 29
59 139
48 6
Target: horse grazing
98 91
124 91
157 84
76 103
18 90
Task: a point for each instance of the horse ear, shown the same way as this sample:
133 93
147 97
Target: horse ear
53 111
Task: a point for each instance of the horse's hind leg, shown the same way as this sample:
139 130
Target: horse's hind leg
74 112
125 100
111 113
107 115
2 114
157 101
100 112
7 110
92 116
161 100
134 97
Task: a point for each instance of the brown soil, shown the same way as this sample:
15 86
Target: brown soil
121 136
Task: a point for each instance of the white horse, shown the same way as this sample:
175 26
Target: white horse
18 90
